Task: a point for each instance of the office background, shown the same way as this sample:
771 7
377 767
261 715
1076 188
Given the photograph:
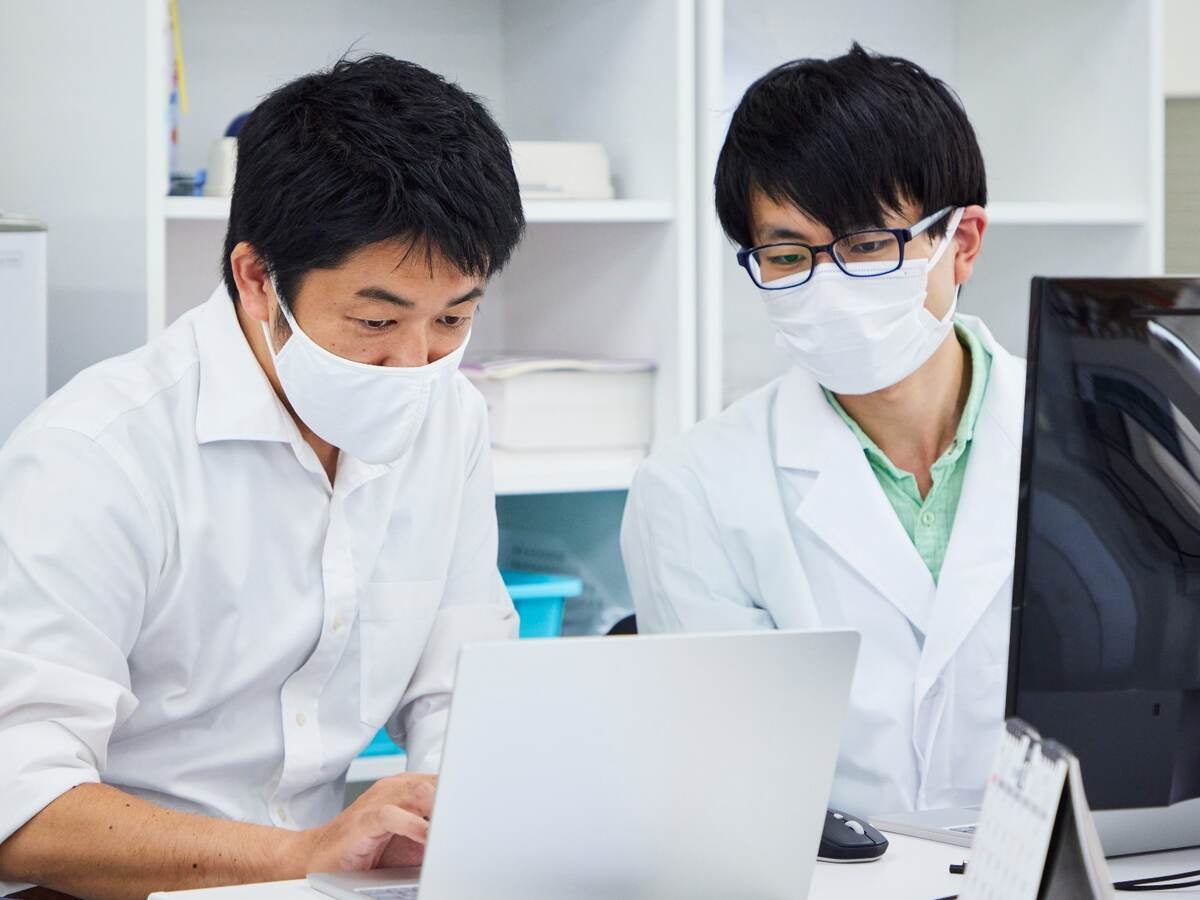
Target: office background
1088 112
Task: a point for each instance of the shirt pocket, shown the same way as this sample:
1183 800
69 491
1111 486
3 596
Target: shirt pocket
395 618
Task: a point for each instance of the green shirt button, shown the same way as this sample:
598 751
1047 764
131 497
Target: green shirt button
927 518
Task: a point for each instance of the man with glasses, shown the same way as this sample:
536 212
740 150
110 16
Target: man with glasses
874 486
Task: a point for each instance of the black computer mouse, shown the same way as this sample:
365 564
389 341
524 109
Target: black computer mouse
849 839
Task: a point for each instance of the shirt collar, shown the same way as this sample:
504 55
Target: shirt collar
236 401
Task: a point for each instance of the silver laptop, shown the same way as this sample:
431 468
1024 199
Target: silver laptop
644 767
948 826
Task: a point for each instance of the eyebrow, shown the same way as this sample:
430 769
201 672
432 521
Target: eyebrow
778 233
378 293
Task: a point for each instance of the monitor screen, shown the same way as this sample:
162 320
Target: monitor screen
1105 643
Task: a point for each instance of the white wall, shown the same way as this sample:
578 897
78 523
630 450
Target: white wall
1181 21
70 68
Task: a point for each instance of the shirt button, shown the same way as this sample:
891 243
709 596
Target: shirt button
927 518
338 622
300 719
281 813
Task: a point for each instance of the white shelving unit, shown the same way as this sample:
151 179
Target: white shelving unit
1066 100
537 212
564 472
601 278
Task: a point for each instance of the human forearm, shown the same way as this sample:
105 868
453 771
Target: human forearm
97 841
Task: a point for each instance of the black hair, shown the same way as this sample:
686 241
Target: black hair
845 140
370 150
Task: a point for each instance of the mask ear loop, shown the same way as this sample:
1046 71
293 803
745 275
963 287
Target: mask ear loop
283 312
951 230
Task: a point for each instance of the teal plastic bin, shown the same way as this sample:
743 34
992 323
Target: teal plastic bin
539 599
381 745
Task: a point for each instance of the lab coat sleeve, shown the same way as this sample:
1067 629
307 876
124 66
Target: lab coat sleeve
75 564
475 607
680 574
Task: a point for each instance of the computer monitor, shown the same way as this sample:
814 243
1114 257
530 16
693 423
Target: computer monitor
1105 642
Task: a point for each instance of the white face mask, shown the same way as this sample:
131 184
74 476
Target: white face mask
861 335
371 412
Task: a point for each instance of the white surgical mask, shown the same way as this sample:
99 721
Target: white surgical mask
371 412
861 335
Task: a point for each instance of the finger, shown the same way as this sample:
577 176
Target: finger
412 792
389 820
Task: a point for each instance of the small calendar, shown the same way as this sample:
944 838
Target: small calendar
1035 838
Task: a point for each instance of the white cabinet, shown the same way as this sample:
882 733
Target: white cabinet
1066 100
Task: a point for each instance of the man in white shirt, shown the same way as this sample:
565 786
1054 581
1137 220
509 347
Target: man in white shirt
228 558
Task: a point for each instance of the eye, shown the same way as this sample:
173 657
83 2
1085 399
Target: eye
784 259
868 247
454 322
377 324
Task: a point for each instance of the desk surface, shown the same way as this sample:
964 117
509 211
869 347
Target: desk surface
912 869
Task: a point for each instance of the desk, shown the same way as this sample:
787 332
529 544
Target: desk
912 869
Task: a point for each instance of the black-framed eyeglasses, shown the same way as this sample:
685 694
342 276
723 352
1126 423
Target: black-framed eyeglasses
860 254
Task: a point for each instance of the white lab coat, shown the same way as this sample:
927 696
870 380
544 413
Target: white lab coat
769 516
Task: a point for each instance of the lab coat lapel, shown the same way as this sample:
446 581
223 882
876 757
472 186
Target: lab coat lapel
845 507
979 559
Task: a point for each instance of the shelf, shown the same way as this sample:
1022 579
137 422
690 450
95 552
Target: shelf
216 209
564 472
600 211
1036 213
372 768
583 211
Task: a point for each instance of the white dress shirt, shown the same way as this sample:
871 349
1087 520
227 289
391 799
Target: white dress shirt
191 612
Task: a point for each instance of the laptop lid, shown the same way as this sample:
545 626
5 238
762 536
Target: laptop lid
649 767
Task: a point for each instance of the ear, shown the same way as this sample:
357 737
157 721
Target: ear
253 281
968 241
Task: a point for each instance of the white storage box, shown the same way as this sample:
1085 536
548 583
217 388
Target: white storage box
23 308
567 404
560 170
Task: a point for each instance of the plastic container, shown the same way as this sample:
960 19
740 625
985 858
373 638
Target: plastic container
539 599
381 745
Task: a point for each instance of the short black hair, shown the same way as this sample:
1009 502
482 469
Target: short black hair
369 150
845 140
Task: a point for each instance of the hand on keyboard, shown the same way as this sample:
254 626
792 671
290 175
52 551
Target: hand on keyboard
384 828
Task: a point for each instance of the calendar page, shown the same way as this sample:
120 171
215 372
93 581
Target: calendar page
1020 807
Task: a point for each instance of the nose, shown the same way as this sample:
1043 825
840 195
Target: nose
413 348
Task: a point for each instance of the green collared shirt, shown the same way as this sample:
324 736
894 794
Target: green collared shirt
929 522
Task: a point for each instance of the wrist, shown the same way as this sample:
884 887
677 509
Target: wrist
292 851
